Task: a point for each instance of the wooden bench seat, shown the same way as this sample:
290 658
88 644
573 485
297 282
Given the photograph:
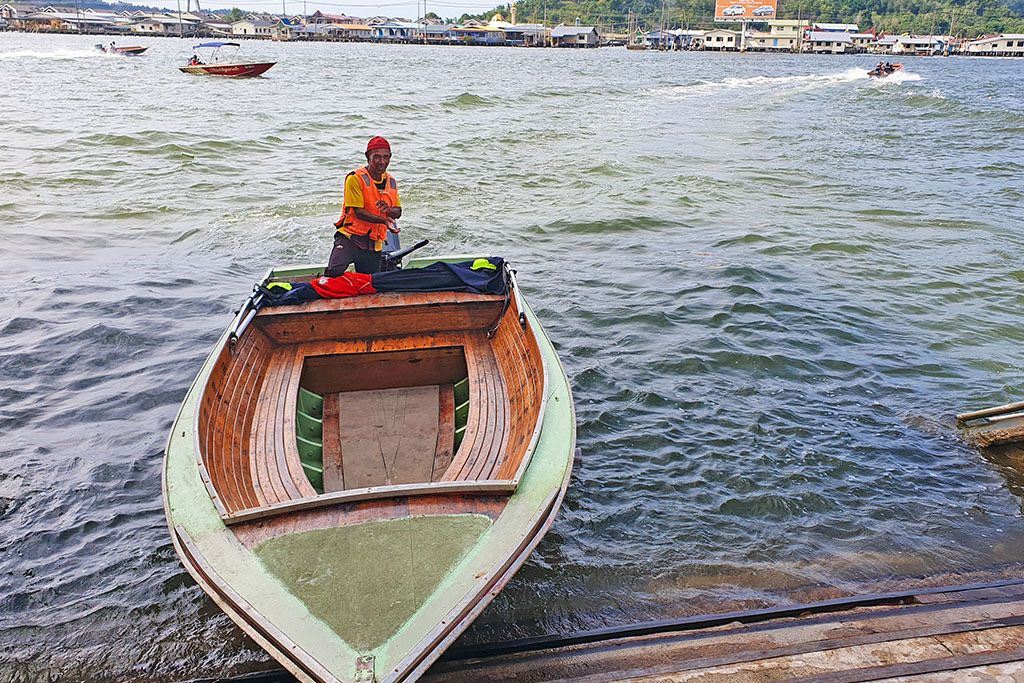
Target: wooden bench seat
248 448
482 447
379 315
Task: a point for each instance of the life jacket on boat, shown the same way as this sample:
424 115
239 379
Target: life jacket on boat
354 225
345 285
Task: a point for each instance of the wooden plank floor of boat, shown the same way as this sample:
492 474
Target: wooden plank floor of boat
956 634
381 437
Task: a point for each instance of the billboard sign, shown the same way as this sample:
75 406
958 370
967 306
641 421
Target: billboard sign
745 10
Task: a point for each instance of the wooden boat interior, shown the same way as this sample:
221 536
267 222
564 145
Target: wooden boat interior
368 398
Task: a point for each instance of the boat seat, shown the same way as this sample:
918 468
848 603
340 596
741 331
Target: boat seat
276 472
380 315
483 445
249 448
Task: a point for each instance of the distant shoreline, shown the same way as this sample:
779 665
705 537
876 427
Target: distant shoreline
335 39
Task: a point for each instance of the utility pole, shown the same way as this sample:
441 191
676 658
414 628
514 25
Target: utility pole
181 31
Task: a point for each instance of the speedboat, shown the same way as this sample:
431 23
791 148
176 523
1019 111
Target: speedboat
884 72
222 61
128 51
352 480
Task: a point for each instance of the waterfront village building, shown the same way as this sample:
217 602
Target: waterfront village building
1004 45
883 44
527 35
575 36
14 12
167 24
828 42
721 40
861 41
257 28
835 28
919 45
395 31
784 35
478 35
217 26
437 33
676 39
60 19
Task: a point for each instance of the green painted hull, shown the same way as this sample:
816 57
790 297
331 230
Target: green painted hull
377 601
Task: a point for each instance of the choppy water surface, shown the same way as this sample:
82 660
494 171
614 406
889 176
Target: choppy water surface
772 282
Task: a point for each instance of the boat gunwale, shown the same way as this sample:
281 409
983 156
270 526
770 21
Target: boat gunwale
505 486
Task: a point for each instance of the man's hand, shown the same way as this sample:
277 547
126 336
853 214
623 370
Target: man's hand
393 227
382 206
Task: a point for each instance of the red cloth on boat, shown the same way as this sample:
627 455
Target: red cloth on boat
345 285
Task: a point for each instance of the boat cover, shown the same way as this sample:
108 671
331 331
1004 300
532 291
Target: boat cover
483 276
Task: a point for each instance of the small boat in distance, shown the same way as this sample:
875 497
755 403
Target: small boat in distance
129 51
217 65
885 70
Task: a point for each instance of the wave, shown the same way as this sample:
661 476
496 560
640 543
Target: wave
468 100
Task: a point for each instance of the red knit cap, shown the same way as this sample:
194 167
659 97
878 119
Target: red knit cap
377 143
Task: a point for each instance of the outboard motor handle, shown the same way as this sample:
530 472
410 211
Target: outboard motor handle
393 260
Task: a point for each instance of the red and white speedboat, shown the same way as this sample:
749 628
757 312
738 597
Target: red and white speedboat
218 65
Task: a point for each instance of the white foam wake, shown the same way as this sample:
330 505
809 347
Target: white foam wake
51 54
797 82
901 76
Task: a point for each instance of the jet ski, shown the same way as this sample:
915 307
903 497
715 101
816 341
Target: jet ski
884 70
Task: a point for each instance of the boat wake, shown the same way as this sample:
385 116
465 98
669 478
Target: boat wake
901 76
805 81
50 54
761 81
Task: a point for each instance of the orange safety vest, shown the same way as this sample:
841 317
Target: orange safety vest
354 225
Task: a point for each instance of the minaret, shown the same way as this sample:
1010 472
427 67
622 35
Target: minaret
513 17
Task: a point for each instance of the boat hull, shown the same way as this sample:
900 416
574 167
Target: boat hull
229 70
128 51
246 562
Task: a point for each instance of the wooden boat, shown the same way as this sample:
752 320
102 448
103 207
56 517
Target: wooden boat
353 480
993 426
216 65
127 51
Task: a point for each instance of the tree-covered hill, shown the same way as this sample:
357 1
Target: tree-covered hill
967 18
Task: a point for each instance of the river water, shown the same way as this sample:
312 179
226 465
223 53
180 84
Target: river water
771 280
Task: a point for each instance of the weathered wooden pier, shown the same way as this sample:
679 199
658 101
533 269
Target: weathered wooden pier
972 632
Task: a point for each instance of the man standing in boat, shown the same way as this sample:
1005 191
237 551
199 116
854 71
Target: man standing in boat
371 207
